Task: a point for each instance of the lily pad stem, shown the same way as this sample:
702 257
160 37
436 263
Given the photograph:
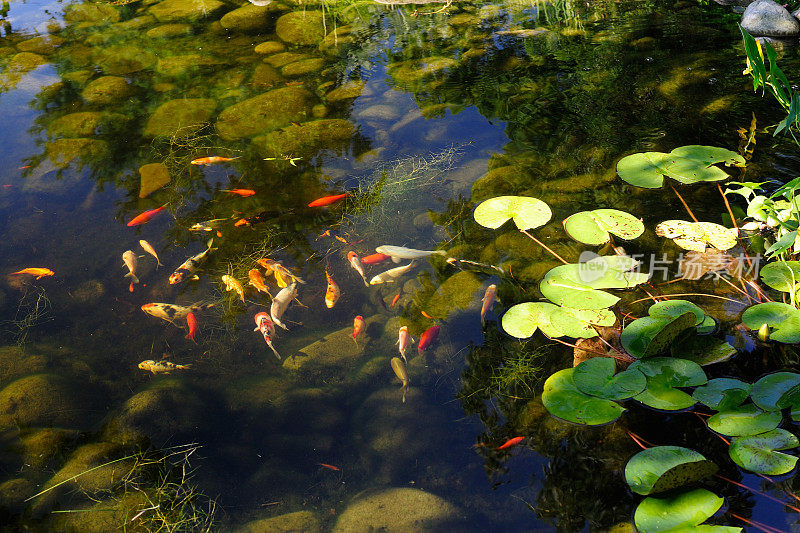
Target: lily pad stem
690 294
601 354
684 203
758 525
754 491
543 245
733 221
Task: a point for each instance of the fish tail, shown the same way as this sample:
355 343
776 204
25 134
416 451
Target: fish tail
184 367
405 390
366 283
275 351
133 277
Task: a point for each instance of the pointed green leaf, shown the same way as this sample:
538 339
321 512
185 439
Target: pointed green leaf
596 378
760 453
527 212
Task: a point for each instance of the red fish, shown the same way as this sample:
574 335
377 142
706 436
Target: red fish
375 258
327 200
427 338
329 467
211 160
191 321
511 442
145 217
241 192
395 299
358 326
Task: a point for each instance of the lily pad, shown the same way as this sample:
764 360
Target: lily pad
761 453
527 212
594 227
596 378
723 394
687 164
744 420
784 320
564 400
664 374
697 236
710 155
670 309
684 510
663 468
578 323
660 395
768 391
649 336
781 275
702 349
522 320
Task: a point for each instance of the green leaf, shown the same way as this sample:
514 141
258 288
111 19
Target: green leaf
702 349
760 453
522 320
744 420
596 377
697 236
684 510
645 169
769 390
688 171
783 318
527 212
781 275
687 164
671 309
783 244
722 394
593 227
564 400
663 468
709 155
659 395
663 375
649 336
578 323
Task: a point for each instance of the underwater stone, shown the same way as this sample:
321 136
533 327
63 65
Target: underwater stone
500 181
135 23
91 12
331 358
43 44
15 362
249 18
176 115
457 292
62 152
176 66
120 60
411 72
13 494
7 51
180 10
379 112
319 111
301 27
88 292
39 448
264 113
48 400
778 44
24 61
153 177
464 19
284 58
399 510
86 123
304 521
102 517
167 31
770 19
350 89
306 138
269 47
265 75
78 77
341 36
106 90
301 68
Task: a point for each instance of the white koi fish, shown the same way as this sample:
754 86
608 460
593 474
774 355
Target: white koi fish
129 258
267 329
390 275
399 252
189 266
150 250
355 262
402 342
171 312
281 302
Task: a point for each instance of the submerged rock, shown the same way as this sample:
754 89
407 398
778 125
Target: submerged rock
265 75
410 73
106 90
264 113
62 152
249 18
301 27
153 177
770 19
284 58
180 10
329 359
300 521
91 12
85 123
13 494
350 89
167 31
16 362
24 62
176 66
103 516
305 139
399 510
457 292
49 400
269 47
121 60
301 68
175 115
43 44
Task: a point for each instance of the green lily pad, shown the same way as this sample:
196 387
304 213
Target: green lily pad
596 377
702 349
687 164
564 400
781 275
578 323
761 453
527 212
707 325
522 320
663 375
659 395
649 336
768 391
670 309
684 510
645 169
784 320
697 236
594 227
663 468
744 420
709 155
722 394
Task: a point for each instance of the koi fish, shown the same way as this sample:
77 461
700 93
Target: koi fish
161 367
171 312
390 275
211 160
233 284
511 442
356 264
35 271
395 299
263 216
358 327
399 252
400 371
130 261
277 268
332 293
257 281
190 265
208 225
191 322
426 315
244 193
281 302
427 338
145 217
489 298
150 250
474 265
327 200
402 342
329 467
267 329
374 258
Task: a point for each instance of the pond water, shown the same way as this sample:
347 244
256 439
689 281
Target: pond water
418 113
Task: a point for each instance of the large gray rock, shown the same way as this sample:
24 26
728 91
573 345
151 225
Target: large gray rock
770 19
304 521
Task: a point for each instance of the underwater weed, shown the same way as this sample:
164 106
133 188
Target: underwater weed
33 309
518 374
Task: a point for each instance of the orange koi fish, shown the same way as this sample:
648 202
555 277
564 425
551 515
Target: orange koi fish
489 298
38 272
426 315
327 200
267 328
402 342
375 258
355 262
277 268
511 442
211 160
358 327
145 217
191 322
427 338
332 293
257 281
240 192
233 284
395 299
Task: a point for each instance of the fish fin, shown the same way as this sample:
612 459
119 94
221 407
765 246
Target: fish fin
255 328
195 277
396 259
496 299
366 283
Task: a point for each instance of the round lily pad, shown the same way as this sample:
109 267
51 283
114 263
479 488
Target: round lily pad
645 169
784 320
527 212
648 336
709 155
744 420
697 236
722 394
670 309
768 390
522 320
594 227
702 349
596 378
761 453
663 468
578 323
781 275
684 510
675 372
575 285
564 400
660 395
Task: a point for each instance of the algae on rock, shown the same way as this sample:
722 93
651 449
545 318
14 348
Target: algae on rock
264 113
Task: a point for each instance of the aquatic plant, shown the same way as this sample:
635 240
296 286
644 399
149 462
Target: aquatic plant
596 227
687 164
